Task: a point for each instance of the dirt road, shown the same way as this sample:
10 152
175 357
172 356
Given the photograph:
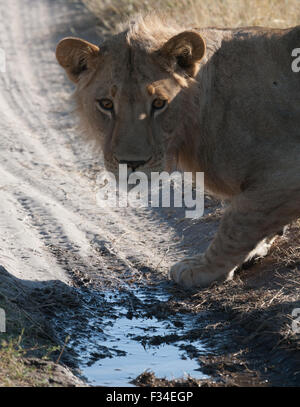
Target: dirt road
51 228
47 174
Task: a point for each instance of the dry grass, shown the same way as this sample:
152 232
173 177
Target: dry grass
203 13
29 354
15 369
19 345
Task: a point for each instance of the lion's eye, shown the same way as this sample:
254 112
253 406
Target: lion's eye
158 103
106 104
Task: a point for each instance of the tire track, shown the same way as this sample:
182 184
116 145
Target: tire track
54 172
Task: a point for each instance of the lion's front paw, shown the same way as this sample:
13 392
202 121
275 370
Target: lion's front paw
193 272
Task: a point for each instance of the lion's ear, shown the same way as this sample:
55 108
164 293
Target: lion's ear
76 55
187 48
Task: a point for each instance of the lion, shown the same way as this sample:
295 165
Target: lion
220 101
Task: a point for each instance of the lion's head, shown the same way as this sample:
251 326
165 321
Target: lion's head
134 92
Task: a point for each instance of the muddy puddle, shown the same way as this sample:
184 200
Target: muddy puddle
114 337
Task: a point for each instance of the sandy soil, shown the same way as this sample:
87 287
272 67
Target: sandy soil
53 234
51 227
48 206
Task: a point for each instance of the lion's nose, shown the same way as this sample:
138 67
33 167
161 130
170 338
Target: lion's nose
133 164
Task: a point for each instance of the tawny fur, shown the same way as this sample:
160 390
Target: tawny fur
233 112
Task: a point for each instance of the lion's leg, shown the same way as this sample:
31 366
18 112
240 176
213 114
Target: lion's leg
263 247
261 250
250 218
